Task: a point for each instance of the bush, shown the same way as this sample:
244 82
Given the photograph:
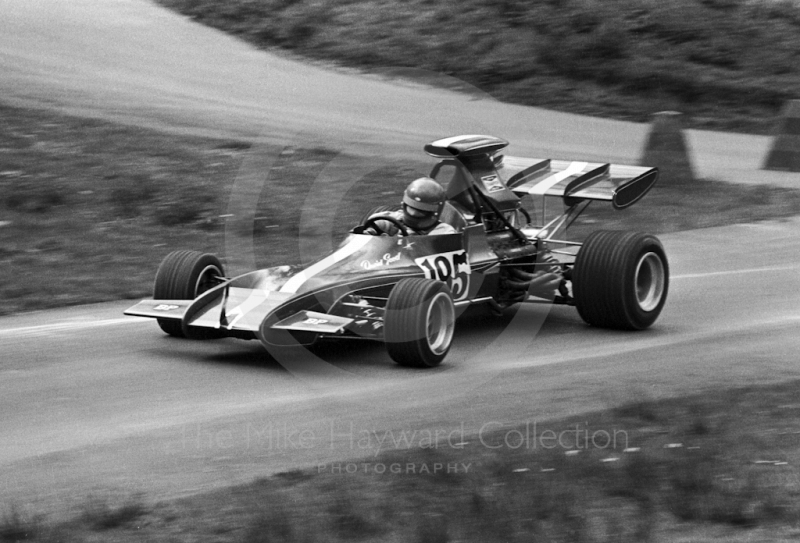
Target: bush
17 528
100 515
273 525
184 204
129 194
38 196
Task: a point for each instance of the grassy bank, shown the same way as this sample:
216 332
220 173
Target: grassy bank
88 209
727 64
721 467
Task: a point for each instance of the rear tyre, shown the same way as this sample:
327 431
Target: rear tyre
184 275
620 280
419 322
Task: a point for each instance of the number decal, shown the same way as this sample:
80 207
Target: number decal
452 268
427 267
443 268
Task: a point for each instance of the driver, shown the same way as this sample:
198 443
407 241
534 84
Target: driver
423 202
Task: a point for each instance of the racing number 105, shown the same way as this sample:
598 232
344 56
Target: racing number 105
437 268
451 268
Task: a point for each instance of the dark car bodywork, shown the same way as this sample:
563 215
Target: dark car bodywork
344 293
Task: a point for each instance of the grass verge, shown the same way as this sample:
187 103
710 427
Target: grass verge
88 209
17 526
727 64
717 467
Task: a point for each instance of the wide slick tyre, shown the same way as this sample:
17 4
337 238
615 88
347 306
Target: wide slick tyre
184 275
620 280
419 322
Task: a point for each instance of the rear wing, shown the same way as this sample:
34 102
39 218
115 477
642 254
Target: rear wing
576 181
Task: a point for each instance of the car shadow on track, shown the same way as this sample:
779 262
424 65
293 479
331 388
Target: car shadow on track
477 328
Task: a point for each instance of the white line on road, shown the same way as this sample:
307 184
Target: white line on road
66 326
733 272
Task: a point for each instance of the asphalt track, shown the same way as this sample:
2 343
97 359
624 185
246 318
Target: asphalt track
92 401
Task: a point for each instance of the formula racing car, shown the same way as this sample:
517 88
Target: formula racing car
407 290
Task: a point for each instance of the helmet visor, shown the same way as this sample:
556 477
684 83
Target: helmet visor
417 218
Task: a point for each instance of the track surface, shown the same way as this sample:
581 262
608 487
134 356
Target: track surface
95 401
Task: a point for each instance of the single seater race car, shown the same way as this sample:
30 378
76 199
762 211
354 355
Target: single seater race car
407 290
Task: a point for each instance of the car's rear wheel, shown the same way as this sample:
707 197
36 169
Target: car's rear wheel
184 275
620 280
419 322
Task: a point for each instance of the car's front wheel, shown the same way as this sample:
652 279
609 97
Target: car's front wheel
184 275
419 322
620 280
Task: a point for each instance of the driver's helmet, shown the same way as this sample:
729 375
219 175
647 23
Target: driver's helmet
423 201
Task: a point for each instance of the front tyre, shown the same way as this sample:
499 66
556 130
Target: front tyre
184 275
419 322
620 280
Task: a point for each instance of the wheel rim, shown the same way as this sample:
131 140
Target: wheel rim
207 279
440 323
650 281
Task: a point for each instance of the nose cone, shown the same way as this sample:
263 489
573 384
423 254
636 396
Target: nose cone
236 309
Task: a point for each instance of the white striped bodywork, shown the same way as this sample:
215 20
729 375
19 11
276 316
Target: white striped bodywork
296 281
573 170
447 142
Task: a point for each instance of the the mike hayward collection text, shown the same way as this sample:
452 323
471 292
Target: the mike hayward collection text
342 435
